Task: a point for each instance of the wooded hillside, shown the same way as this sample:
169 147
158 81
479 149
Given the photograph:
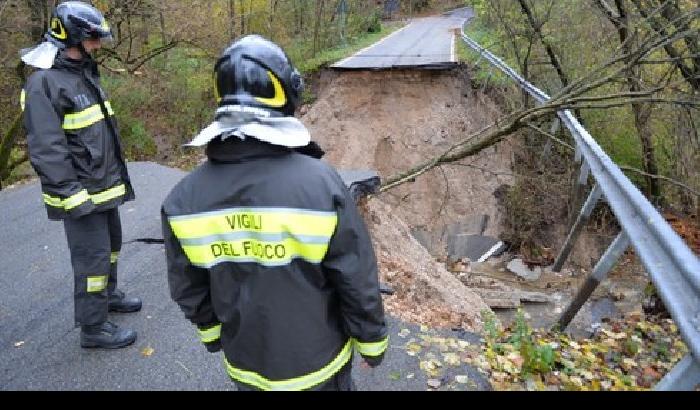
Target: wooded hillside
159 70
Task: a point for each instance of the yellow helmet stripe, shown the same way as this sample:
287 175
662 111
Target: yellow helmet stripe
217 95
57 29
279 99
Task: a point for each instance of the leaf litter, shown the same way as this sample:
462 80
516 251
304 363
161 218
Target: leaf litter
631 353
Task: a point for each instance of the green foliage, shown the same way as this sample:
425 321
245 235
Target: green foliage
502 27
631 347
484 73
375 23
128 100
308 97
492 329
537 359
138 144
332 55
188 94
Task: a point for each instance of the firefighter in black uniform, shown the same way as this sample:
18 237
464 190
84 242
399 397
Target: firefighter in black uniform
267 254
74 147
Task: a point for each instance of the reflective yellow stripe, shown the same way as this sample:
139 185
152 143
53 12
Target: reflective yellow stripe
267 236
263 220
297 383
22 99
82 196
96 283
277 100
372 349
113 257
211 334
251 250
85 118
68 203
109 194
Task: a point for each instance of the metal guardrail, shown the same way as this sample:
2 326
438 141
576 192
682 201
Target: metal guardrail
674 269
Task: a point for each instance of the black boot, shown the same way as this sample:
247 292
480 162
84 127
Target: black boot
106 335
118 302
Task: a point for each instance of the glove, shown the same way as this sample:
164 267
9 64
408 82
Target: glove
312 149
373 361
213 347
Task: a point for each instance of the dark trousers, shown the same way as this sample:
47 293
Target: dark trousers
341 381
94 241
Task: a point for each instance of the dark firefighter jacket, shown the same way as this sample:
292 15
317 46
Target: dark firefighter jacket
73 141
266 251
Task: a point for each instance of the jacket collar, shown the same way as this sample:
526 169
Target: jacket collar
62 62
234 150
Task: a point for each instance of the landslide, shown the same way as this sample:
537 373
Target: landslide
388 121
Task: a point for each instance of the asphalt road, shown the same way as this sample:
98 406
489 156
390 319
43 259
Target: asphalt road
39 347
423 43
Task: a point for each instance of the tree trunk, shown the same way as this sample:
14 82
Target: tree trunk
242 7
232 18
689 71
641 111
687 156
317 25
163 35
39 11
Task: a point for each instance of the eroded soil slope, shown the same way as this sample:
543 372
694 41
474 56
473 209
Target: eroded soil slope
388 121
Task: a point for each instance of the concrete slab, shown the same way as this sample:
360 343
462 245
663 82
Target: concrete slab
360 182
477 248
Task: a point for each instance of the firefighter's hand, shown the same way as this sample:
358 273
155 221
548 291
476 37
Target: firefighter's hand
214 346
371 361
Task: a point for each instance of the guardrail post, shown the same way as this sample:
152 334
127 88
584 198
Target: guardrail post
575 231
579 188
685 376
600 272
548 145
672 265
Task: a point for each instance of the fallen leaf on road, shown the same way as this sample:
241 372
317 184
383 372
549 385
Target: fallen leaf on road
395 376
413 348
147 351
451 359
434 383
404 332
461 378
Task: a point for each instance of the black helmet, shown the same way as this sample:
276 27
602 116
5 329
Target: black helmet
256 72
74 21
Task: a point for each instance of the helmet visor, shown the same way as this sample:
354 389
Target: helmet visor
105 35
90 30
